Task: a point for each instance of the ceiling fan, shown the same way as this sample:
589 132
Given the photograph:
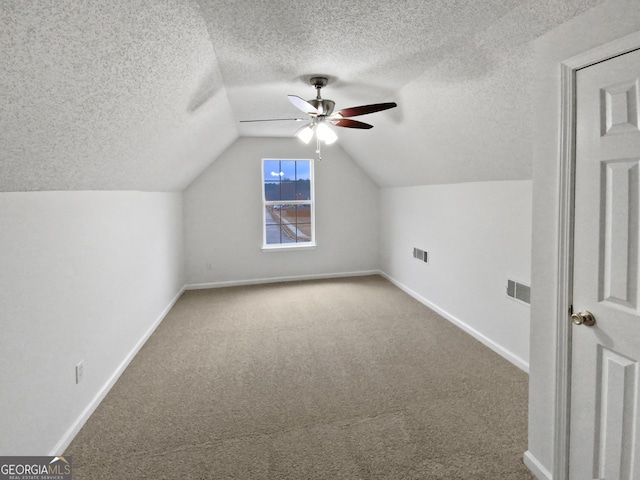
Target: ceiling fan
320 116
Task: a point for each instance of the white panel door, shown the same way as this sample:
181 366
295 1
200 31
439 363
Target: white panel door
605 429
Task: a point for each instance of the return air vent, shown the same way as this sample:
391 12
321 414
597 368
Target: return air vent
519 291
421 255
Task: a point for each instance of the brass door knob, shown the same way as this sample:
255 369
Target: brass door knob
584 317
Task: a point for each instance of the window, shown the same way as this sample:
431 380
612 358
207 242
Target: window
287 197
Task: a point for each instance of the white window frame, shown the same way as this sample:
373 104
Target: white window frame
279 247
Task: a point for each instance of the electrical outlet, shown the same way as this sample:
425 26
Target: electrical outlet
79 372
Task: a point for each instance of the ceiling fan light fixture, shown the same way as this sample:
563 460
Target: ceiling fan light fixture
325 134
305 133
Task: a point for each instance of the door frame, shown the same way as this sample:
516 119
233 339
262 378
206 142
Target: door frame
566 193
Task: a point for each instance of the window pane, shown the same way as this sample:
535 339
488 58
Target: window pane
272 191
272 170
273 227
288 190
303 180
288 169
304 215
303 189
303 170
271 216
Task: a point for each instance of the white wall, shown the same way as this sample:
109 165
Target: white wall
478 235
223 217
607 22
83 276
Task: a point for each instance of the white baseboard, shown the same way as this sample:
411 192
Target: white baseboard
536 467
257 281
499 349
90 408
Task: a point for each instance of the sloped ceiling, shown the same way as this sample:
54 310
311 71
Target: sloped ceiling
144 94
114 94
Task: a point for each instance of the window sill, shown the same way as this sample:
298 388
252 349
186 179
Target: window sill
288 247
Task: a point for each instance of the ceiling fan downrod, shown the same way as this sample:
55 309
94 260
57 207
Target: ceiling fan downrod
324 107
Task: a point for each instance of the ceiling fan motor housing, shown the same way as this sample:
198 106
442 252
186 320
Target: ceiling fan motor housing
325 107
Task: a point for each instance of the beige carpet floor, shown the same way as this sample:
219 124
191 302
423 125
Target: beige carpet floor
336 379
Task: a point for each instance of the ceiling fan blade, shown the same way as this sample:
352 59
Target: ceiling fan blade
364 109
275 120
303 105
346 122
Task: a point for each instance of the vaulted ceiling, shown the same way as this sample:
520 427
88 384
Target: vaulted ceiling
145 94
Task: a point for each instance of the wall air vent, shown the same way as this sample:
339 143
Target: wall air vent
421 255
519 291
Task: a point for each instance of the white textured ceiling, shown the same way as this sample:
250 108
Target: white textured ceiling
144 94
108 95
